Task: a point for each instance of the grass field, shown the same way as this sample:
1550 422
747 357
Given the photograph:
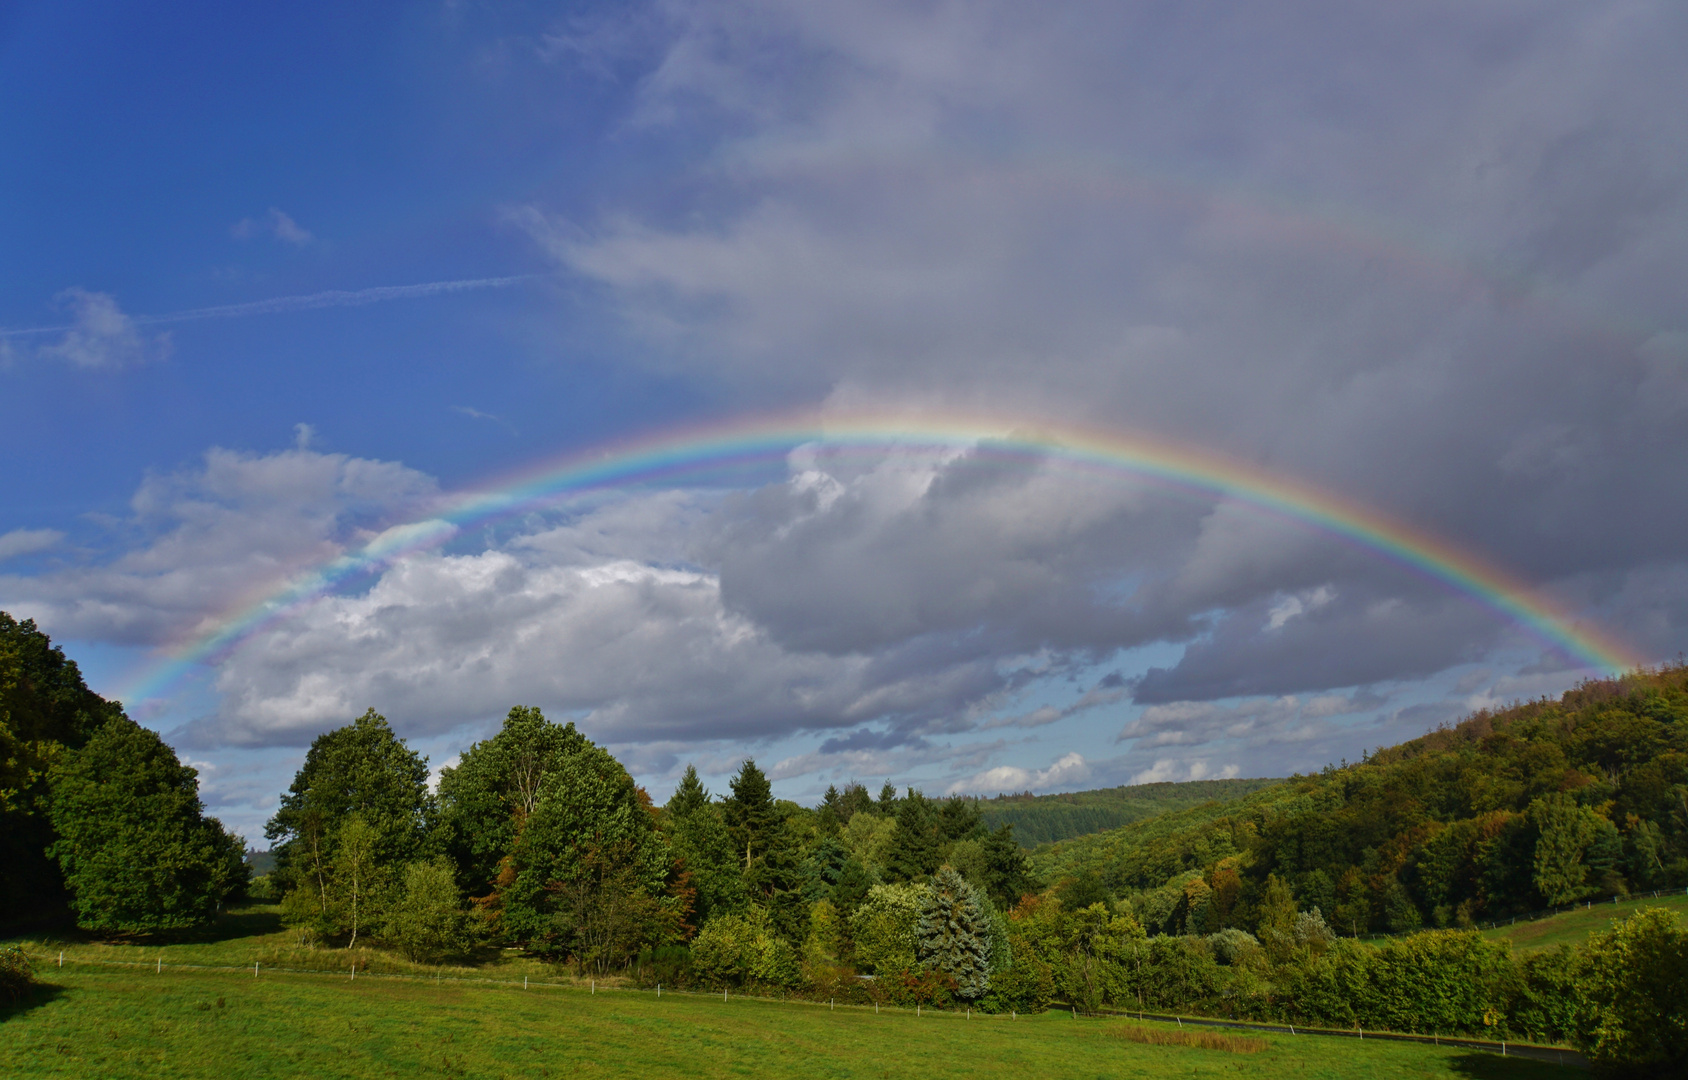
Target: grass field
1573 927
131 1022
110 1012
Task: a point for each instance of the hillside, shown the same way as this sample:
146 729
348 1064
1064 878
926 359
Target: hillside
1045 819
1533 806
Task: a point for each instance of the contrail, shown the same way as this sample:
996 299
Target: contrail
329 299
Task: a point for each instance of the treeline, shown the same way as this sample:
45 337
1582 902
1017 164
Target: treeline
539 839
1508 812
100 823
1047 819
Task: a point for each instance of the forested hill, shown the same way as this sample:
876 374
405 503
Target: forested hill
1536 805
1045 819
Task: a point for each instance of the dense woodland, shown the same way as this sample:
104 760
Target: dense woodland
1256 907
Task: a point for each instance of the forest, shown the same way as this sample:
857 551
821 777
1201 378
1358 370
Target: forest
1258 907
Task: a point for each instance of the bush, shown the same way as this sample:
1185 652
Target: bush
17 974
1027 986
1232 945
1636 980
1547 997
743 950
1441 981
427 922
885 928
665 965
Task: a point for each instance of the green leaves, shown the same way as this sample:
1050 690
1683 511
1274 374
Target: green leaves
135 847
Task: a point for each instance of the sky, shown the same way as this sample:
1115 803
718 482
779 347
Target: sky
282 287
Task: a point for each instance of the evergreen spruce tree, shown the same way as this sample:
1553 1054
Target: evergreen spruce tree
955 934
689 796
917 847
136 848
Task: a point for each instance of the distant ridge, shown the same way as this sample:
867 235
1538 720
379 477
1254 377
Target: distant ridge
1048 819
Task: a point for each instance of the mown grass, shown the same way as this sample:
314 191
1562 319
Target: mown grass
128 1022
1573 927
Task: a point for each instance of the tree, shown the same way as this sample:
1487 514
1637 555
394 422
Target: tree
362 769
604 913
589 818
427 921
698 836
955 934
1636 981
487 798
135 846
45 710
918 845
1564 832
357 877
689 796
751 819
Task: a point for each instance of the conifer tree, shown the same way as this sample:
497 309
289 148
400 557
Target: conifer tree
955 934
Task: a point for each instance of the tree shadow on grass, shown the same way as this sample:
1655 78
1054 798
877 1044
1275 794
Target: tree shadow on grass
1494 1067
38 995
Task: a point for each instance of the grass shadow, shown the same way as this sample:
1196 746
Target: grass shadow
38 995
1481 1066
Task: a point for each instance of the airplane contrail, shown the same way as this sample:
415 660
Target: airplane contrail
327 299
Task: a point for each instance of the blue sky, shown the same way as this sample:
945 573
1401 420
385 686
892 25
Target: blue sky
1428 259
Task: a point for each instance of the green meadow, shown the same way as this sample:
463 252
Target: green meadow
1573 927
134 1022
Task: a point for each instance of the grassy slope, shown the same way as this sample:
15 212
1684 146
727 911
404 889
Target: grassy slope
132 1023
1043 819
113 1021
1573 927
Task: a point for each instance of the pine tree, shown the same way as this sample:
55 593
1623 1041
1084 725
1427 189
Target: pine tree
689 796
955 934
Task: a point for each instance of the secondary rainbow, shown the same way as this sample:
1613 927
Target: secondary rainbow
676 456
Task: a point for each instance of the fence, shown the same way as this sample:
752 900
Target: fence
1555 1055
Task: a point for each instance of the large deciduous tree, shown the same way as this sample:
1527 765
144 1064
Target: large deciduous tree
362 771
45 710
135 846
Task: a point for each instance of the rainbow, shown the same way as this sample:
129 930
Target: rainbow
676 456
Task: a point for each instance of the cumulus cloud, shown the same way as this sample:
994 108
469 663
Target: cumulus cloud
1068 771
1447 297
202 542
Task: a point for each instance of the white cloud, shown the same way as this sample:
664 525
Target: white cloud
1168 769
276 223
27 541
101 335
1068 771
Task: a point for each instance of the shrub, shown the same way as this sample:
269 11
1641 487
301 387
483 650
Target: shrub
428 922
1443 981
1547 997
744 950
1027 986
17 974
884 928
1232 945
